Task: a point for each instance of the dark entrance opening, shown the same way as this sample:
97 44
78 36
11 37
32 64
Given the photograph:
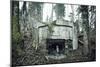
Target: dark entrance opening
55 46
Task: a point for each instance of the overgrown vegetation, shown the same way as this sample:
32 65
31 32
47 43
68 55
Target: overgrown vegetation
59 10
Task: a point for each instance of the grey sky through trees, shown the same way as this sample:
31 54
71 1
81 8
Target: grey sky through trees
47 10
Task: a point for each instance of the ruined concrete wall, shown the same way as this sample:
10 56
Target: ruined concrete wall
59 32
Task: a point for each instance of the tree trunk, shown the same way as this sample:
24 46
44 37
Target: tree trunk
85 39
75 37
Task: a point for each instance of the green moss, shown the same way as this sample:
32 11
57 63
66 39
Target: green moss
16 35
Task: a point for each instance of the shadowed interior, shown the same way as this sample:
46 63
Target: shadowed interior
55 46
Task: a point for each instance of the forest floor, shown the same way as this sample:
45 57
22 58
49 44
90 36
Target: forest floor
32 56
36 57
